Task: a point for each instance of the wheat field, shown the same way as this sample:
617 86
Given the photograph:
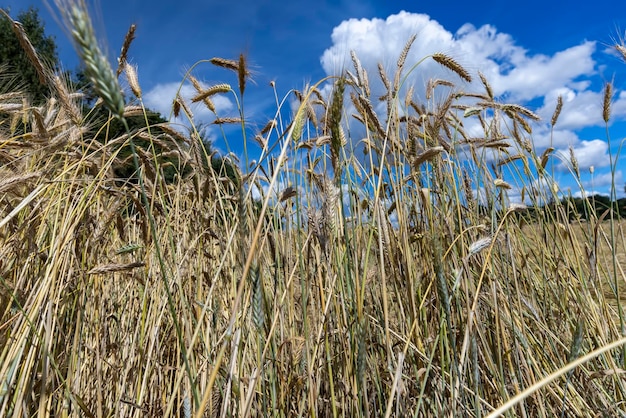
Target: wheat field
388 274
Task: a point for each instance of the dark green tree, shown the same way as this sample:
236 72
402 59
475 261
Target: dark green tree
14 60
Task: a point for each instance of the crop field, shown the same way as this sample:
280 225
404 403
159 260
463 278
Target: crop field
368 263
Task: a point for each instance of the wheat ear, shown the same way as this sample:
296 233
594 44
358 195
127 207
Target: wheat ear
128 39
452 65
97 68
557 110
606 107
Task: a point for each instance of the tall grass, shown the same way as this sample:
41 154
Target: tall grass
384 269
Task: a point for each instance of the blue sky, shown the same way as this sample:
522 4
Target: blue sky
530 51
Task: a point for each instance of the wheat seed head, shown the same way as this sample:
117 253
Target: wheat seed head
557 110
452 65
128 39
97 69
606 106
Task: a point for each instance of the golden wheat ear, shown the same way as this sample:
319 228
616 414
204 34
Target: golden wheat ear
123 58
452 65
606 103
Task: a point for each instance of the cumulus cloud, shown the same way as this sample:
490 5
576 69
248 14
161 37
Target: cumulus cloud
605 180
511 70
588 153
516 75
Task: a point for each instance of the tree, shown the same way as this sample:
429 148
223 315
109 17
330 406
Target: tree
14 60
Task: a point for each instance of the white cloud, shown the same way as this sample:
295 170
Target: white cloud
580 108
511 70
516 75
533 76
588 153
606 179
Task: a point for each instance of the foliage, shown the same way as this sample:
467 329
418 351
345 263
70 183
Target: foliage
17 63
